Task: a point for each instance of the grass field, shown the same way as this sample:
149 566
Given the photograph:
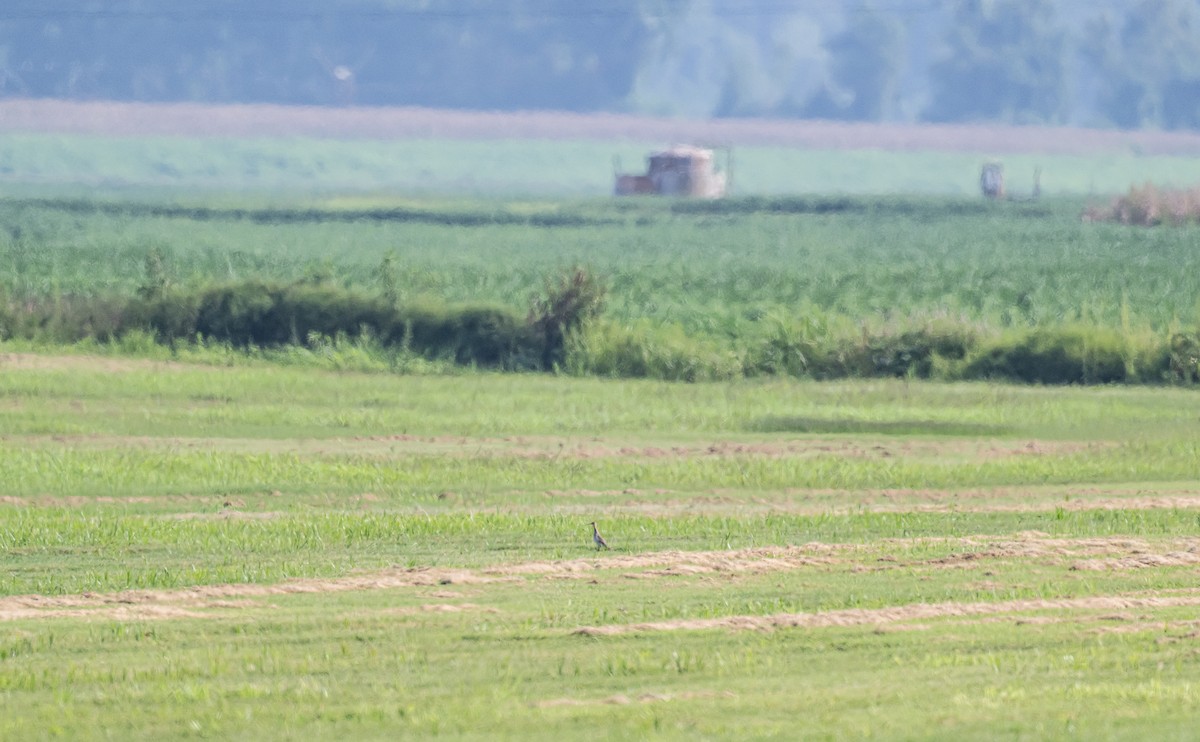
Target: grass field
56 147
255 551
507 168
718 273
834 225
327 542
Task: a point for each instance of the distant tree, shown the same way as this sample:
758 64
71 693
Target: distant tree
529 53
684 69
1003 61
714 58
547 54
1151 66
866 60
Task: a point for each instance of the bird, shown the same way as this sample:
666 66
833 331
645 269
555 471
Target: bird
597 538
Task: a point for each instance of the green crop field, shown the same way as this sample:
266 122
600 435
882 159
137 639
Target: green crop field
272 552
706 290
713 269
829 534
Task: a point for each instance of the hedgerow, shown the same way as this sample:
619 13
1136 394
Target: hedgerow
564 330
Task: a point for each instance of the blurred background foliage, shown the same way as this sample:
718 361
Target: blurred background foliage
1103 63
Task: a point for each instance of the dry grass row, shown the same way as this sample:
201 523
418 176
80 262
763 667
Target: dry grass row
1150 206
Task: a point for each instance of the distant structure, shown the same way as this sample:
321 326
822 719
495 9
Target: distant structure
991 180
678 171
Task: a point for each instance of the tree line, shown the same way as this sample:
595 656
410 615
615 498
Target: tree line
1107 63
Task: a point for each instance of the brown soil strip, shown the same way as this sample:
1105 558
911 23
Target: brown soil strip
1074 506
1098 553
111 613
36 362
655 503
571 449
623 700
229 515
892 614
75 501
26 606
436 608
742 561
818 502
261 120
1146 623
1139 561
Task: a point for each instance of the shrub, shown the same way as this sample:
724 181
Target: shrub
1179 360
907 353
790 345
1061 355
301 309
606 349
808 347
237 313
1150 205
169 316
566 306
257 314
64 319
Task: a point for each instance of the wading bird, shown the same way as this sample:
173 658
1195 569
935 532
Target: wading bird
597 538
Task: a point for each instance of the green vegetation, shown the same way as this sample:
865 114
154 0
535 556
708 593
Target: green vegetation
820 287
258 483
1107 64
273 551
355 173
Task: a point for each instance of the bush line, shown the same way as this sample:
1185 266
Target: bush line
564 331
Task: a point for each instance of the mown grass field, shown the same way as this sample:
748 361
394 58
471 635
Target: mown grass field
327 541
282 552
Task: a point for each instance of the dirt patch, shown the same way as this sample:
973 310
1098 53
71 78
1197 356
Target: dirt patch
621 699
893 614
107 613
1140 560
1072 506
820 502
1029 499
437 608
75 501
229 515
105 364
209 596
446 594
1190 628
967 448
262 120
1096 553
682 563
